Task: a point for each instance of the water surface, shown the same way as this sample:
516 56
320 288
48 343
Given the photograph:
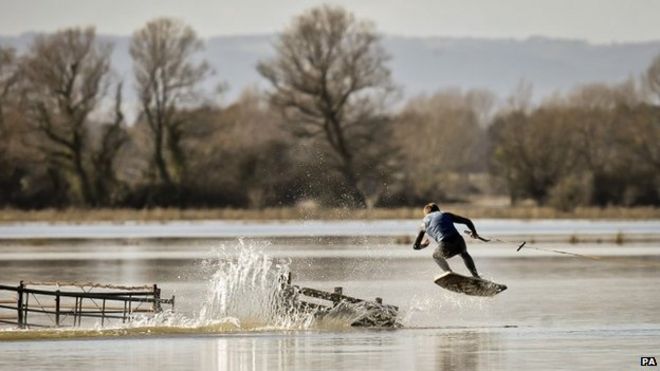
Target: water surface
559 312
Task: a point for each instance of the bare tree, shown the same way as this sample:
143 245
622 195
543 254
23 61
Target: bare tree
8 78
247 141
8 165
653 77
330 81
521 97
65 75
651 135
167 74
112 139
531 152
604 96
441 139
482 103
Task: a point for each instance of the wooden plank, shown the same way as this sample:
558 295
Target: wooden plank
76 293
99 308
19 305
57 309
327 295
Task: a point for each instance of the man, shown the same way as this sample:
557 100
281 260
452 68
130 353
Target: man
440 226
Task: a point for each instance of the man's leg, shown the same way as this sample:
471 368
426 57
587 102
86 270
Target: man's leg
469 263
440 259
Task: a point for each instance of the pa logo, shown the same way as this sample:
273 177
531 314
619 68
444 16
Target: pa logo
648 361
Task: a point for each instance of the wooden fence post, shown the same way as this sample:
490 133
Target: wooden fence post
156 307
103 314
123 320
19 304
57 308
339 291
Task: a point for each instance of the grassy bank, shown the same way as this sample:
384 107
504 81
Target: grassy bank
291 213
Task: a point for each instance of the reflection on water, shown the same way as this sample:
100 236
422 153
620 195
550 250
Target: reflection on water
407 349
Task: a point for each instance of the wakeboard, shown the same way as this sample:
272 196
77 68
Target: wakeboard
468 285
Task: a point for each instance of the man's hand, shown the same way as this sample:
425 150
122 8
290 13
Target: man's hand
422 245
475 235
419 244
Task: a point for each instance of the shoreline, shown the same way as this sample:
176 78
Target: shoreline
332 232
75 215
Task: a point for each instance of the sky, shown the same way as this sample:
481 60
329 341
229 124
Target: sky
597 21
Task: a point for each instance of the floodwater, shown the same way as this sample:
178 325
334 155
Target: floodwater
559 312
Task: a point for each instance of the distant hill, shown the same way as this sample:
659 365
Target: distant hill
424 65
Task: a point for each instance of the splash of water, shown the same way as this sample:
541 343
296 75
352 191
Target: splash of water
442 309
248 291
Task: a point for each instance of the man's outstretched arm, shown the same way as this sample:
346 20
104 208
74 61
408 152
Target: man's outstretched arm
461 220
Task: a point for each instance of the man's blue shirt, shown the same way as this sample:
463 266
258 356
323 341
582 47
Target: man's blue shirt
439 225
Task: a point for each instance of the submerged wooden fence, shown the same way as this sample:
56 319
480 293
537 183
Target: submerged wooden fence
73 304
57 304
324 303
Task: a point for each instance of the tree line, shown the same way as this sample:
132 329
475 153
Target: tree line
330 127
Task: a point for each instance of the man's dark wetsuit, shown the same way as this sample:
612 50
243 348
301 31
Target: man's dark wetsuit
440 227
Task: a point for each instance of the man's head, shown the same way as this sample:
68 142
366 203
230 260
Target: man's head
430 207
